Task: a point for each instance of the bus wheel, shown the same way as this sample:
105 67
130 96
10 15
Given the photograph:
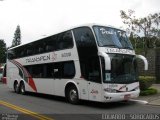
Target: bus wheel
16 87
72 95
22 88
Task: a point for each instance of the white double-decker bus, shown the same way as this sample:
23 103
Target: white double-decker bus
89 62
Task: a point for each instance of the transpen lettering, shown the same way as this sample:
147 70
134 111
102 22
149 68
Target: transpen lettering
38 59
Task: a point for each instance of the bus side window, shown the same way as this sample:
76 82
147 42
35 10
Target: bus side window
86 47
50 43
29 52
36 71
64 40
48 48
41 50
68 70
57 70
67 40
64 70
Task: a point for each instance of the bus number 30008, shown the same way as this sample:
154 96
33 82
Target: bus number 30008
66 54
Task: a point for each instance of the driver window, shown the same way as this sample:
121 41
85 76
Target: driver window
94 70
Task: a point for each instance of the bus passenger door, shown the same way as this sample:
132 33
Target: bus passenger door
94 80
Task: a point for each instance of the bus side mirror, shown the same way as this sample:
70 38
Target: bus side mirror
144 60
106 59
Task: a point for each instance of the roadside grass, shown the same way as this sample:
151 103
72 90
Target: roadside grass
146 85
148 91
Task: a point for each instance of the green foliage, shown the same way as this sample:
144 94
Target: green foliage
17 37
139 51
158 43
146 82
2 51
148 26
149 91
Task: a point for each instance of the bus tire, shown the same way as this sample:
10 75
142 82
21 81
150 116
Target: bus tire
72 95
22 88
16 87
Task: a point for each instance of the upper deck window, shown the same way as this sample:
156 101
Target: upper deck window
56 42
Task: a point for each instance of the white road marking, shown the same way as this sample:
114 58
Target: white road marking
139 101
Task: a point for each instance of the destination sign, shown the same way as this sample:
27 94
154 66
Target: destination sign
121 51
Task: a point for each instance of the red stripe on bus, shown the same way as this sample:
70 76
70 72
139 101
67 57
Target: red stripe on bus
32 84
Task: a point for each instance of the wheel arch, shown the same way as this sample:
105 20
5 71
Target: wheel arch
18 81
71 83
22 82
15 81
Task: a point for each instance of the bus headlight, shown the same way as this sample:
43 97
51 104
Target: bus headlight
110 90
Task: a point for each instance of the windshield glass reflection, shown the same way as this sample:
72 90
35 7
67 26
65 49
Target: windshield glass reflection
112 37
123 69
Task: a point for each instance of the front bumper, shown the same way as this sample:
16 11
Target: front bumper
115 97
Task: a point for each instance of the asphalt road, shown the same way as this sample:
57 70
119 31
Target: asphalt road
36 106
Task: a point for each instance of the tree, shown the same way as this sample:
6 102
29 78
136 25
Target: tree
148 26
2 51
131 37
17 37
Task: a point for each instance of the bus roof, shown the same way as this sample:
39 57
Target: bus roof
66 29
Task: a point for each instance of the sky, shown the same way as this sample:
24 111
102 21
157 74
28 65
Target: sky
40 18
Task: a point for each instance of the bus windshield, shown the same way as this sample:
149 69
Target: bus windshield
111 37
123 69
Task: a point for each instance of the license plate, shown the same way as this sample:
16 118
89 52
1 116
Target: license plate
126 97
